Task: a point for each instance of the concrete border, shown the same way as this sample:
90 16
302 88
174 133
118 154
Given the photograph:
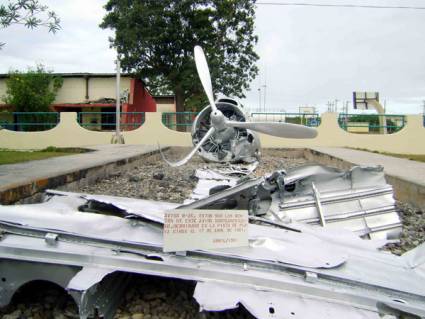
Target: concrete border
26 182
32 189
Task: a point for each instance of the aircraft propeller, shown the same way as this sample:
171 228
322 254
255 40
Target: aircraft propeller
219 121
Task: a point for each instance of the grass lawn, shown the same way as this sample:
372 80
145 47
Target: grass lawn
12 157
413 157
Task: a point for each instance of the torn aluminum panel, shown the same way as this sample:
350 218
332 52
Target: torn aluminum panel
213 296
207 181
361 281
359 200
97 290
118 231
127 207
211 181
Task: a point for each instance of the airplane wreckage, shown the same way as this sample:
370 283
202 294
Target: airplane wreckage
313 242
221 132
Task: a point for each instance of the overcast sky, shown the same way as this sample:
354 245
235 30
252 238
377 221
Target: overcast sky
309 55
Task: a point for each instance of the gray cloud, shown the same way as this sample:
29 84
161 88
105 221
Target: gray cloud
312 55
308 55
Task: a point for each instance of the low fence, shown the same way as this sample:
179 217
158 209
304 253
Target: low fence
106 121
371 123
28 121
179 121
182 121
69 133
94 121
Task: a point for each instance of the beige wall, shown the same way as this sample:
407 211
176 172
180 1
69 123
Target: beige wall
73 90
165 104
165 107
358 127
68 133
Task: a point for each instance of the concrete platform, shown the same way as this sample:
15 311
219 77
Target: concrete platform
26 181
406 176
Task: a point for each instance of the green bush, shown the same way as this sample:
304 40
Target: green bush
32 91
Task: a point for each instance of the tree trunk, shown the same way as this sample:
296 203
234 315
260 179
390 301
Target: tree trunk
180 118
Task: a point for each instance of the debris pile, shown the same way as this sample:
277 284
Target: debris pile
153 297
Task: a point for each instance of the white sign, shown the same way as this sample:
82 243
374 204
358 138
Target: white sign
205 229
307 109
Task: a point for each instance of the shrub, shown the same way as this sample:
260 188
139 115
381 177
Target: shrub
32 91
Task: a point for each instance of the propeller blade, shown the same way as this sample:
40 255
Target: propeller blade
204 74
188 156
287 130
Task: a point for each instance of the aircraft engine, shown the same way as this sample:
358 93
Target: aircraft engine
230 144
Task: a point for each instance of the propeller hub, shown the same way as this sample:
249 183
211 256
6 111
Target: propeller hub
218 120
225 135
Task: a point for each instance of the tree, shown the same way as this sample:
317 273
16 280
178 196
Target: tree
155 40
32 91
29 13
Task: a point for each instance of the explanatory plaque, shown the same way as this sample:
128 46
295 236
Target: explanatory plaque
209 229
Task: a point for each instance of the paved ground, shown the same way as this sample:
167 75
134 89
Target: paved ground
405 169
29 171
14 174
34 175
18 174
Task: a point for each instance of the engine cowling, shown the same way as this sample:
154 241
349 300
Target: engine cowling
230 144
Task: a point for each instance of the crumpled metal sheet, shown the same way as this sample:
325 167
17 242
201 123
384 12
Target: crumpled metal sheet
238 170
284 248
88 277
358 200
276 245
228 175
207 179
152 210
214 296
333 180
415 259
365 277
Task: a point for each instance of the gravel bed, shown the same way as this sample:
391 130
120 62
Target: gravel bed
413 233
156 180
152 297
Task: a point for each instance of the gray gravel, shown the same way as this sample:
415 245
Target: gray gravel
413 233
151 297
156 180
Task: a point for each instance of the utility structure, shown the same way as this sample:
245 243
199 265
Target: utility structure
364 100
330 106
118 138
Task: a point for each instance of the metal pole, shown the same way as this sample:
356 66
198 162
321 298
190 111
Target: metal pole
117 111
259 99
347 103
